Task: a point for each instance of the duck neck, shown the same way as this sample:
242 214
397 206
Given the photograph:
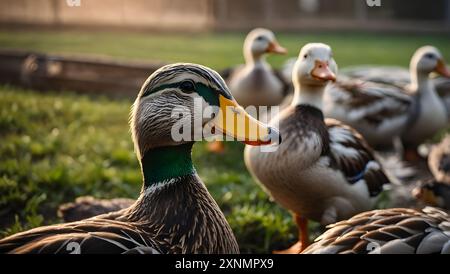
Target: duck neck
177 204
420 81
308 95
253 59
163 164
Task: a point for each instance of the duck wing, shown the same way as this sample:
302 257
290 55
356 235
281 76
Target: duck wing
371 103
388 231
95 235
397 77
350 154
389 75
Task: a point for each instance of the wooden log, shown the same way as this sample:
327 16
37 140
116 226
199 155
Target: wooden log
92 75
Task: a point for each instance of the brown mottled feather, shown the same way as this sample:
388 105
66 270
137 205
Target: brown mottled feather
155 224
397 230
355 166
357 95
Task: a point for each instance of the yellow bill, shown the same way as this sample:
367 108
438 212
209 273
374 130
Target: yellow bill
232 120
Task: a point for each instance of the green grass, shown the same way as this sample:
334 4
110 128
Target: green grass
222 50
58 146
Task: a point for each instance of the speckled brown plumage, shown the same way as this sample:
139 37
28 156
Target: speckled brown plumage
352 167
155 224
396 230
393 102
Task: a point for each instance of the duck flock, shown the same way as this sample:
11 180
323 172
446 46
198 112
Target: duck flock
334 134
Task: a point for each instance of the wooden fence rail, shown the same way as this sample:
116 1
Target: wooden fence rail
90 75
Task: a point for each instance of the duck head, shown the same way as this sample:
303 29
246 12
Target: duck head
260 42
194 97
313 70
426 60
315 65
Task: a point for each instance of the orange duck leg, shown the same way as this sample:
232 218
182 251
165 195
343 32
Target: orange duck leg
303 237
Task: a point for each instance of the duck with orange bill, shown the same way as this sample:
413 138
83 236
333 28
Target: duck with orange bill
323 170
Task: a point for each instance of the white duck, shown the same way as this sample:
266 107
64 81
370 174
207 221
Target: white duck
383 111
256 83
323 170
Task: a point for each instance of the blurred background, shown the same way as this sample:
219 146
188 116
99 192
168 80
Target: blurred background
69 71
207 15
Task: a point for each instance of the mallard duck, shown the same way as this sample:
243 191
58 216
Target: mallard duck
255 83
382 112
174 212
387 231
87 206
323 170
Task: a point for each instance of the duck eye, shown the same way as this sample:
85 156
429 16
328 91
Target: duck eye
260 38
429 56
187 86
305 56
